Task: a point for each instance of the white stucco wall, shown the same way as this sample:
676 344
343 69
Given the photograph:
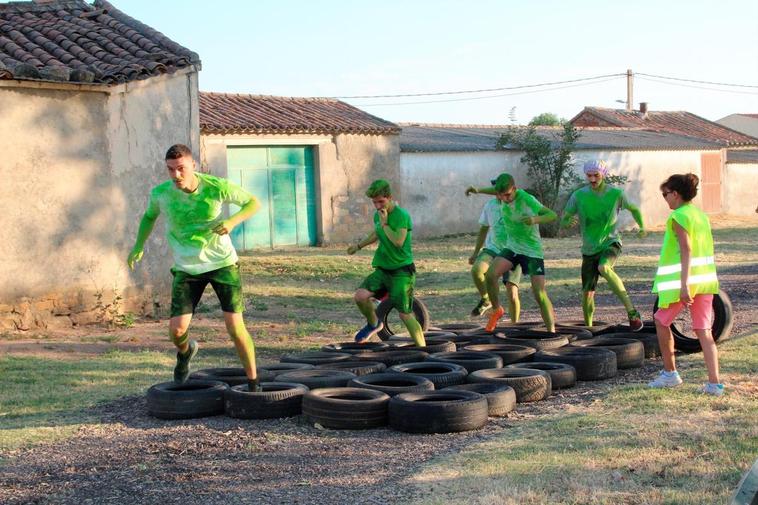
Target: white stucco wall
434 184
78 165
345 165
740 196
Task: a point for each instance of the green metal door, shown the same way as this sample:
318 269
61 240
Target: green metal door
282 179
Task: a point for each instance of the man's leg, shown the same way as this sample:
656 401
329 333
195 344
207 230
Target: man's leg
514 303
588 306
178 330
243 342
365 305
479 275
186 292
414 328
605 269
497 268
546 307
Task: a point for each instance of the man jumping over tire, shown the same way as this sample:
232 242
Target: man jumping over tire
198 237
490 241
394 271
522 214
597 206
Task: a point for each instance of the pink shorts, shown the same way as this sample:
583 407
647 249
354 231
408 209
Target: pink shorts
701 311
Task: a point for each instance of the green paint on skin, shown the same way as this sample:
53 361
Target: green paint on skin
414 329
191 218
617 286
243 342
388 255
598 215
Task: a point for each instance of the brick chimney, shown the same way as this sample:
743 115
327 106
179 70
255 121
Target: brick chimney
643 107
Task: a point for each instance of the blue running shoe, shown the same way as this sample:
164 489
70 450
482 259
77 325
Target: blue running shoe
368 331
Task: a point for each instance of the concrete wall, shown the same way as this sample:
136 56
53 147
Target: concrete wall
345 166
78 165
434 184
739 193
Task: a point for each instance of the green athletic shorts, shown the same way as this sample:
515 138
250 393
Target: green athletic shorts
528 264
187 290
398 283
591 263
512 276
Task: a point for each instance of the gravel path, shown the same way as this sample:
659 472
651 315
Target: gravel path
131 458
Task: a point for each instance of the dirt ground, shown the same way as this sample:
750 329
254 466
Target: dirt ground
129 457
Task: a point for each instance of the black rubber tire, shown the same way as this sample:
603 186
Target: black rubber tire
392 383
431 347
354 347
438 411
316 378
562 376
509 353
441 374
230 376
391 358
630 353
591 363
597 326
346 408
189 400
470 360
501 398
460 328
723 321
267 373
538 340
278 399
529 385
571 332
648 328
315 357
385 307
649 342
357 367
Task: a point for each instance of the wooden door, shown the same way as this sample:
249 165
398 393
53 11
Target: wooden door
710 182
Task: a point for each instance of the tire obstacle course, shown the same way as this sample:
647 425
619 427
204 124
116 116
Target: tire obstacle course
460 378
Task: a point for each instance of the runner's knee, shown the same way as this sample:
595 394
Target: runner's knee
362 296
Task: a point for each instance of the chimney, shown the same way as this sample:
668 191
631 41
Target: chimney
643 107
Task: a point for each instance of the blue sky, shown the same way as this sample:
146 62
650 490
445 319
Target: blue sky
345 48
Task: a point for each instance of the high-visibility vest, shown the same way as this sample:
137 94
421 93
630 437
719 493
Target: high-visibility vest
702 276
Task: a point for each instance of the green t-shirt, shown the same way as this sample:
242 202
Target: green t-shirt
522 238
388 256
598 214
190 219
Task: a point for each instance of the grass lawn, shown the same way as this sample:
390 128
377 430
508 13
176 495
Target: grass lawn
629 446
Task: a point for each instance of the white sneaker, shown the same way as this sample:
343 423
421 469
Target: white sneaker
666 380
710 388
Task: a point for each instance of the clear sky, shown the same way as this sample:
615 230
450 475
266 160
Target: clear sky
341 48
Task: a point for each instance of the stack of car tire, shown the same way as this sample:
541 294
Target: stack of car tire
460 378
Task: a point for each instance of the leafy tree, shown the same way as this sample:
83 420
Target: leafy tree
546 119
550 166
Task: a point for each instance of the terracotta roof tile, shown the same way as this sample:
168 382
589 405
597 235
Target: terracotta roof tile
94 42
236 113
678 122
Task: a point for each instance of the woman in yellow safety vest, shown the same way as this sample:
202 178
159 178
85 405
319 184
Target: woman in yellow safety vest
686 276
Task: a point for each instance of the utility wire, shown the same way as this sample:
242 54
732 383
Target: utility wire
699 87
696 81
619 76
478 90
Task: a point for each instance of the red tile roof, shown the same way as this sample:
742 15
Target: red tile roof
72 40
679 122
236 113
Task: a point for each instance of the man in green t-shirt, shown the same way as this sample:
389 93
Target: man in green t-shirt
395 273
596 207
522 215
198 236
